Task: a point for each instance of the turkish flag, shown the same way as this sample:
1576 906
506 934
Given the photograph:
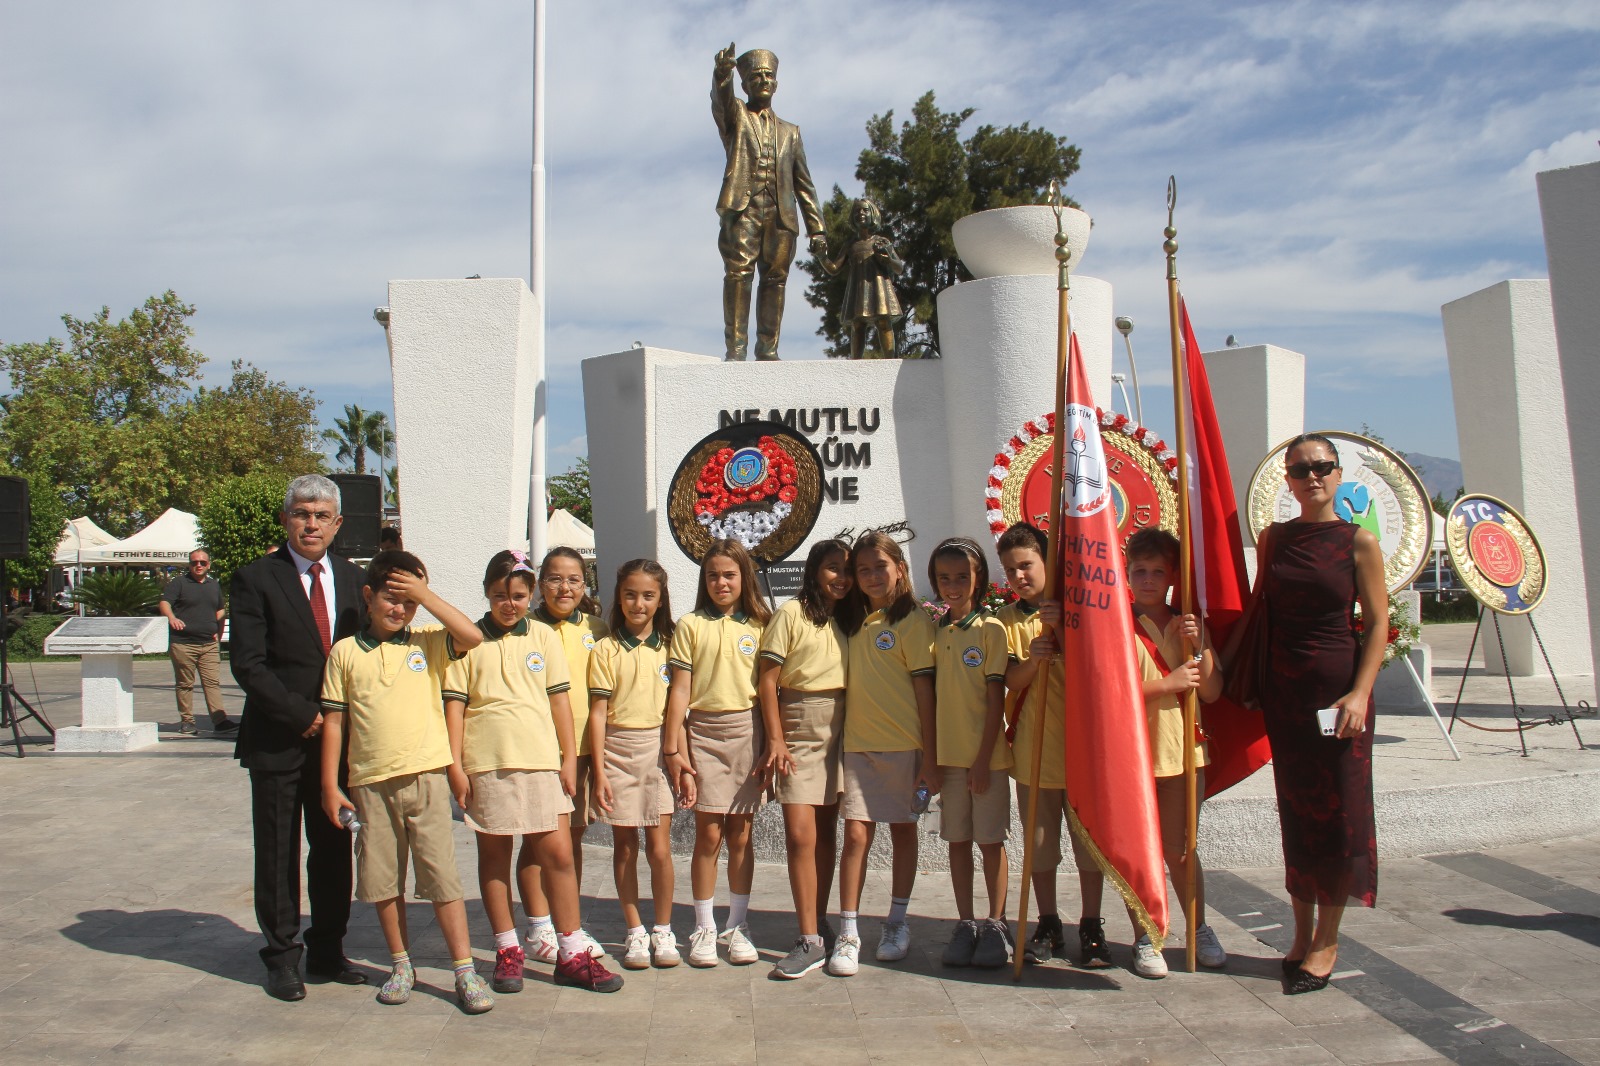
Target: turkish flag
1110 782
1238 737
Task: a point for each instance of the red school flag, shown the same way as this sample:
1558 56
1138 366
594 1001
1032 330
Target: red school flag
1237 737
1110 784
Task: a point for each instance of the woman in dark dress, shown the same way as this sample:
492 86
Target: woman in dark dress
1313 571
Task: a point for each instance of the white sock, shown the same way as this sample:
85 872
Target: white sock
897 909
738 908
704 914
507 939
635 930
814 941
568 945
659 928
537 922
847 923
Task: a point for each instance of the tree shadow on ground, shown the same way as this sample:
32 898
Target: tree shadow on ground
1584 927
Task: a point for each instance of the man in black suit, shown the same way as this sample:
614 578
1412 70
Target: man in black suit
288 609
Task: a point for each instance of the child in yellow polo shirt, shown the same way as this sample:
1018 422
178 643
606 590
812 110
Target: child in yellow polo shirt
969 700
563 603
382 688
510 721
628 682
889 740
714 742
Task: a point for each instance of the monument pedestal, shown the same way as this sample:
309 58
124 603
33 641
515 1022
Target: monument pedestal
107 647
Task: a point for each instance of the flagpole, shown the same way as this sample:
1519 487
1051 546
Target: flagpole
1052 571
1191 822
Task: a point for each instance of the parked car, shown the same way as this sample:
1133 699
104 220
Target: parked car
1446 586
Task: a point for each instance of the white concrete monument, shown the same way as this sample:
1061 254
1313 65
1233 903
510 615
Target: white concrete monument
107 647
1569 200
1512 430
1259 392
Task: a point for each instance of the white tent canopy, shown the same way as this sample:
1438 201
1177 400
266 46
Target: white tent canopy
165 542
565 531
80 534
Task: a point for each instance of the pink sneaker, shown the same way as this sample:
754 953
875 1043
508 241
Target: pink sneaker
508 970
583 970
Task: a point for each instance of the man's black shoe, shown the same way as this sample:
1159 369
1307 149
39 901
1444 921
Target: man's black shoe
226 725
338 970
285 984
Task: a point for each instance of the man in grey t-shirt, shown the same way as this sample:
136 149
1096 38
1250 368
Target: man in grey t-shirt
193 608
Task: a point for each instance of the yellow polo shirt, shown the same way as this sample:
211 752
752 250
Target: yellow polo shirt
632 676
1164 714
506 683
390 691
719 653
880 706
1022 625
969 654
810 658
579 633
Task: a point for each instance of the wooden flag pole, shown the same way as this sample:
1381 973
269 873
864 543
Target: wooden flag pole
1052 571
1191 823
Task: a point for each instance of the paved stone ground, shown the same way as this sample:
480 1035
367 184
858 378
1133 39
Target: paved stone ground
127 934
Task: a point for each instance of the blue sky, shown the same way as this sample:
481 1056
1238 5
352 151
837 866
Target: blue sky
1344 169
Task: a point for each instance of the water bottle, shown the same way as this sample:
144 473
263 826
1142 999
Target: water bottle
347 818
919 799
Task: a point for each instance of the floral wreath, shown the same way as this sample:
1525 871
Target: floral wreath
758 483
1035 428
733 477
1404 632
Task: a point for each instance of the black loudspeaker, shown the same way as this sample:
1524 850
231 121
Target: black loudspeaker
14 517
361 503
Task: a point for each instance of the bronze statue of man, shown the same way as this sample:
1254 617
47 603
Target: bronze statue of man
765 174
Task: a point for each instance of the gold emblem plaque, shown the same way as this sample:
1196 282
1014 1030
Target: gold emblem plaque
1496 554
1378 491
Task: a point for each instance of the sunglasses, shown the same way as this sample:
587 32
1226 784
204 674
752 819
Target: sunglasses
1301 471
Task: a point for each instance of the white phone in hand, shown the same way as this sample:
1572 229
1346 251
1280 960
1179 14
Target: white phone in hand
1328 720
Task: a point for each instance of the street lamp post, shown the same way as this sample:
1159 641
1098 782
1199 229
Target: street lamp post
1125 327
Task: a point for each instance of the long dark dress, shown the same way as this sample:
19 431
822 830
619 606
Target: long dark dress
1330 842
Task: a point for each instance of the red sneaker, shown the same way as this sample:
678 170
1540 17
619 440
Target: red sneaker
583 970
508 970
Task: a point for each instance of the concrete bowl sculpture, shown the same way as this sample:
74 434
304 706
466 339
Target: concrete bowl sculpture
1007 241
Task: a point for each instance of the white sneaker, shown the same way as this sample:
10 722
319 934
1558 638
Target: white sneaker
591 945
664 949
542 944
1208 949
1147 961
703 948
636 951
846 957
740 951
895 942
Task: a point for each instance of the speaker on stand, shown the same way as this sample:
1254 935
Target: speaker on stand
361 503
14 521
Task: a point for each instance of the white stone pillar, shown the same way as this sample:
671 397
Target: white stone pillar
1569 201
1511 428
1259 393
465 356
108 725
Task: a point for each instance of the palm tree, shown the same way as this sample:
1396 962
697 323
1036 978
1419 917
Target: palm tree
357 433
391 495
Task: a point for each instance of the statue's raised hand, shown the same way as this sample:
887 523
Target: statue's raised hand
725 62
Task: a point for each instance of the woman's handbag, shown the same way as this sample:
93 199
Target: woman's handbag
1249 643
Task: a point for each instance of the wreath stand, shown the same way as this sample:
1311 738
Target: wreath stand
1524 723
1427 698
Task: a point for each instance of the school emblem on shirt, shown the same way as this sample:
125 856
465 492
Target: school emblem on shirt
747 645
885 640
588 642
973 657
416 661
666 675
535 662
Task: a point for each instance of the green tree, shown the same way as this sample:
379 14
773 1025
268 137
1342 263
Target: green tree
358 433
239 521
120 593
391 495
570 491
1442 504
47 519
254 425
923 178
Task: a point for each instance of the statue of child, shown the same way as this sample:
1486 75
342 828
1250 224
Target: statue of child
870 299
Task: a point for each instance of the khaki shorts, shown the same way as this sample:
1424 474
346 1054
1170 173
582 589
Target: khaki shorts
880 786
405 816
1047 831
813 727
963 816
517 802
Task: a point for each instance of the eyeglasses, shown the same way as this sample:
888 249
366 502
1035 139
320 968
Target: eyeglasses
199 562
303 516
1301 471
564 582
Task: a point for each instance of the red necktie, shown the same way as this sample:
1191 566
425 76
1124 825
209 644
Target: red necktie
319 607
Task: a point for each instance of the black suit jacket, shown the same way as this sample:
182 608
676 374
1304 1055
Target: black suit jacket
277 656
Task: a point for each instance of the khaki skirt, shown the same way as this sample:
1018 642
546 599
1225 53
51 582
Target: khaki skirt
726 749
516 802
813 727
640 795
880 786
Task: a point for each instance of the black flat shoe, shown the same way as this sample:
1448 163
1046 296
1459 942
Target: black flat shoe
285 984
1290 966
1300 982
339 971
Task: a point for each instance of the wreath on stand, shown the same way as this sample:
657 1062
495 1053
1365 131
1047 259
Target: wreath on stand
759 483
